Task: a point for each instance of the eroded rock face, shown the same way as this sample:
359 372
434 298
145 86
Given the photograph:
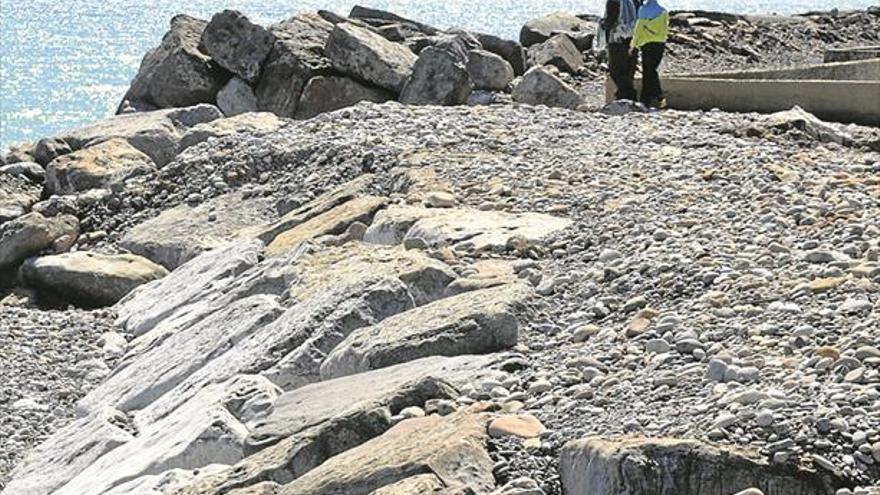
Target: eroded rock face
369 57
90 279
237 44
328 93
104 165
33 233
558 51
539 86
475 323
488 70
296 57
177 73
679 467
439 78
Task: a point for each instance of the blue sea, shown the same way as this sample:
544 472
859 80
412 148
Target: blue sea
63 64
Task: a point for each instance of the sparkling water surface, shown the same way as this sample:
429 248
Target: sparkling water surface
63 64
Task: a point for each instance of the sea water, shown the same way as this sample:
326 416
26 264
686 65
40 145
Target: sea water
63 64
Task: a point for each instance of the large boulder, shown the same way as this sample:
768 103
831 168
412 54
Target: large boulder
489 71
543 28
30 171
378 18
237 44
509 50
369 57
252 122
439 78
103 165
17 195
177 73
680 467
558 51
90 279
328 93
32 234
296 57
540 86
479 322
181 233
50 148
236 97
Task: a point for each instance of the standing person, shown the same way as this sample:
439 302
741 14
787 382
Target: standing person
649 36
618 24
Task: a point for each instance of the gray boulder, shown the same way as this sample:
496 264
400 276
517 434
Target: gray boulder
50 148
509 50
100 166
31 171
33 233
439 78
798 119
369 57
543 28
237 44
236 97
22 152
558 51
296 57
328 93
17 194
177 73
539 86
379 18
90 279
488 70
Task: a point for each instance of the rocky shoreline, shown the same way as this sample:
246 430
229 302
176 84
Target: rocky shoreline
484 287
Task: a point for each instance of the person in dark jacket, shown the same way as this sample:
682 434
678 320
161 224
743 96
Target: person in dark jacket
618 24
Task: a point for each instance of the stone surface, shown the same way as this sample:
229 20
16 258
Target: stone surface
474 323
236 97
509 50
438 78
558 51
326 94
296 57
617 467
17 195
182 233
257 122
104 165
237 44
177 73
364 55
540 86
803 121
488 70
541 29
31 171
525 426
33 233
90 279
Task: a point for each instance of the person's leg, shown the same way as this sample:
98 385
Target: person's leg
652 55
619 65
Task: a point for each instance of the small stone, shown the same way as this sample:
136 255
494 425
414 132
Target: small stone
440 199
525 426
540 386
412 412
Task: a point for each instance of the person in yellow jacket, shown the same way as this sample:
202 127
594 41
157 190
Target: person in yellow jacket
649 36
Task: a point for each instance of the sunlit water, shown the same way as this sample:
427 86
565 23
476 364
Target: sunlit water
66 63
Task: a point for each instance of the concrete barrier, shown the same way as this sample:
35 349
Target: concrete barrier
859 70
852 54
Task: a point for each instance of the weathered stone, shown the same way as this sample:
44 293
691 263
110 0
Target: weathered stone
170 481
391 225
474 323
558 51
237 44
525 426
236 97
540 86
184 232
801 120
296 57
31 171
326 94
543 28
434 444
177 73
33 233
416 485
488 70
438 78
90 279
258 122
382 17
509 50
17 195
48 149
22 152
103 165
679 467
156 134
369 57
332 222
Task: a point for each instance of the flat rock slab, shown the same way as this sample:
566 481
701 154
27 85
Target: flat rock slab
90 279
237 44
180 234
367 56
679 467
478 322
251 122
103 165
33 233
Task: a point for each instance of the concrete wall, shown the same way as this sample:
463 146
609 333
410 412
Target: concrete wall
852 54
861 70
